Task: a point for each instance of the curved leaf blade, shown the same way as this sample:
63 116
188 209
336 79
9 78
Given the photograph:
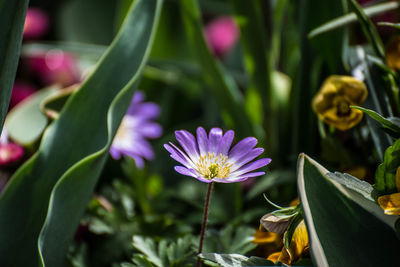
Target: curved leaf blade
74 147
341 225
12 18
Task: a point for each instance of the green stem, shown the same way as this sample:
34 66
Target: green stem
204 225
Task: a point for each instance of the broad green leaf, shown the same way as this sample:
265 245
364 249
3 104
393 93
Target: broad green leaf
12 17
353 183
52 104
385 176
237 260
49 193
221 85
344 228
25 123
350 18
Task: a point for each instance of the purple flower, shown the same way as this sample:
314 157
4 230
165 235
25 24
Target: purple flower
136 127
221 35
210 159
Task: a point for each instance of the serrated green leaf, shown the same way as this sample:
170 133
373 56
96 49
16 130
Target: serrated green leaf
236 260
148 248
385 176
141 261
57 182
350 18
343 226
25 123
12 17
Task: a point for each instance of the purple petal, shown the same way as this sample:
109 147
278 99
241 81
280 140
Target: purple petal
226 181
247 158
246 175
150 130
252 166
226 142
138 161
242 148
178 155
186 171
202 141
214 139
204 180
115 154
146 110
188 143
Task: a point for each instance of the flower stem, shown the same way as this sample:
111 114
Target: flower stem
204 225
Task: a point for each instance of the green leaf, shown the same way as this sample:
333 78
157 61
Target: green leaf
229 260
393 25
53 103
287 238
25 123
12 17
369 29
351 17
237 240
353 183
392 124
148 248
42 205
385 176
220 83
343 226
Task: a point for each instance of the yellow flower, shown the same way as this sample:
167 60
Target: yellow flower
299 245
390 203
332 102
393 54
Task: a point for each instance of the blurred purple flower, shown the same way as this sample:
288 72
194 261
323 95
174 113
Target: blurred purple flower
36 23
55 67
221 35
210 159
9 152
136 127
20 92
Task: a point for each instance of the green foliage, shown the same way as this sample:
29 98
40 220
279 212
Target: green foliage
179 253
227 260
12 17
385 176
73 151
343 226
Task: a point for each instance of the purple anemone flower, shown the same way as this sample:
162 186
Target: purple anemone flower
210 159
136 127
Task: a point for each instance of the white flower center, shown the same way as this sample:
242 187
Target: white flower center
211 166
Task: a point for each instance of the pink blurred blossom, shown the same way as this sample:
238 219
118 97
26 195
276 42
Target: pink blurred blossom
55 67
36 23
20 92
10 153
221 35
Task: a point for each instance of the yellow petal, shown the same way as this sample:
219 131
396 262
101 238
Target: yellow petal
274 256
393 54
298 246
390 203
265 237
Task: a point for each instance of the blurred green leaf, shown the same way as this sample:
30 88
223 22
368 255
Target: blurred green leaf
25 123
60 177
350 18
369 29
12 18
220 83
268 181
257 59
229 260
52 104
393 25
343 226
385 176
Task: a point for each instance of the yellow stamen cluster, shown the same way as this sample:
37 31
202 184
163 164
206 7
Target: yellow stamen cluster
211 166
